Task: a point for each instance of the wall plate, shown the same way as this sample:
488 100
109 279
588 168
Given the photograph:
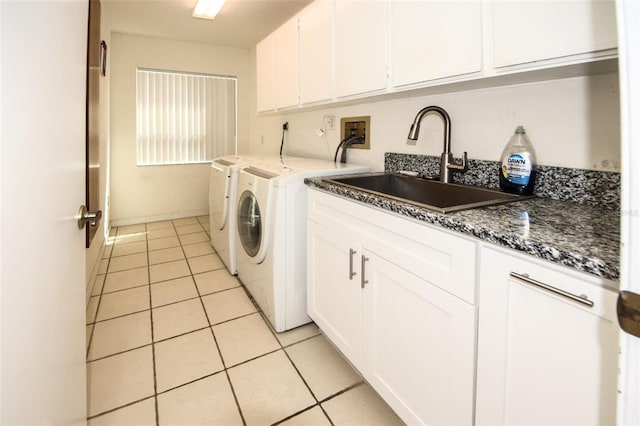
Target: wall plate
360 126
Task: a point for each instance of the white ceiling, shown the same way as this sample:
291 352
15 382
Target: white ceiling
240 23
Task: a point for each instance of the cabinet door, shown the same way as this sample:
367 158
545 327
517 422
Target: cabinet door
435 39
316 52
361 46
334 297
419 346
544 358
286 64
265 73
526 31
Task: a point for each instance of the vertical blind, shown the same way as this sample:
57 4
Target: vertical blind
184 118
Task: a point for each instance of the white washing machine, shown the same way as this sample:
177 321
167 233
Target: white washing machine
271 234
223 184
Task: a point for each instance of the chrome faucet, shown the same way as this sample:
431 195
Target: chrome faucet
447 165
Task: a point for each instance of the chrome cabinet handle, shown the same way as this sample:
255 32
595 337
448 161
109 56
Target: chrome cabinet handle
363 282
351 273
583 299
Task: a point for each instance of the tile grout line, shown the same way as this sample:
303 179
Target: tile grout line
345 390
119 353
175 303
224 368
96 322
184 334
153 346
111 410
158 263
154 396
162 281
95 316
282 347
224 365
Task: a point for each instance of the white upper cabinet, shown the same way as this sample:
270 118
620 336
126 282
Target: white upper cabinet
435 39
265 74
336 49
527 31
286 64
316 52
277 68
361 46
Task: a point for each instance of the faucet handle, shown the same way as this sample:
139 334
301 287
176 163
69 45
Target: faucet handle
460 167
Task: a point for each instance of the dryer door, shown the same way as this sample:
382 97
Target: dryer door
249 223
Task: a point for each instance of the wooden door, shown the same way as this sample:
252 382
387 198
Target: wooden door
96 54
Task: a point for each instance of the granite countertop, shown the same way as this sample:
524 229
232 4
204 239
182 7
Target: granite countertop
581 236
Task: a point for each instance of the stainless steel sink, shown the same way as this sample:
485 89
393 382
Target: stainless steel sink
431 194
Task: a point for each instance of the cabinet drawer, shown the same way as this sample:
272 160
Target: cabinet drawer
441 258
594 294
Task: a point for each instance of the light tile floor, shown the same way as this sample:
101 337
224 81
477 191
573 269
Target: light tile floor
174 339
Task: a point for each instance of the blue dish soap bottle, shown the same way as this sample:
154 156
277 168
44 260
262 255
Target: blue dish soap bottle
517 171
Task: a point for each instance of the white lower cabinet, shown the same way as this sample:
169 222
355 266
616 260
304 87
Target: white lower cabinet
334 296
375 289
534 343
419 345
547 344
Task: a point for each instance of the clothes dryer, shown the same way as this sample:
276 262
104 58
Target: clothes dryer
223 184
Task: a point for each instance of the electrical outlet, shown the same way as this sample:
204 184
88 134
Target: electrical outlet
357 126
331 122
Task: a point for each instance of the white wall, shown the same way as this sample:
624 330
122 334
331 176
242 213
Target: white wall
572 122
94 253
140 194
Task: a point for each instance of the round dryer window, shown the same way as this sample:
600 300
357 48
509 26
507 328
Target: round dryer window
249 223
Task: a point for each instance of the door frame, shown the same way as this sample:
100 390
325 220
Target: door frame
628 16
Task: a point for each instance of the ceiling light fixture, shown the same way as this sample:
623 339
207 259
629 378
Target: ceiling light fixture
207 9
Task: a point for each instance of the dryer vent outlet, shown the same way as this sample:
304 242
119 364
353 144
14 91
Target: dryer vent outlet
357 126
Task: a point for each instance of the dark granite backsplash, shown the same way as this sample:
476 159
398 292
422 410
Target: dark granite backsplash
597 188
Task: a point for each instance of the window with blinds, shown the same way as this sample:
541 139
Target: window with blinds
184 118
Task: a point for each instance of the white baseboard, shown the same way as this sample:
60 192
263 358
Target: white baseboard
157 218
